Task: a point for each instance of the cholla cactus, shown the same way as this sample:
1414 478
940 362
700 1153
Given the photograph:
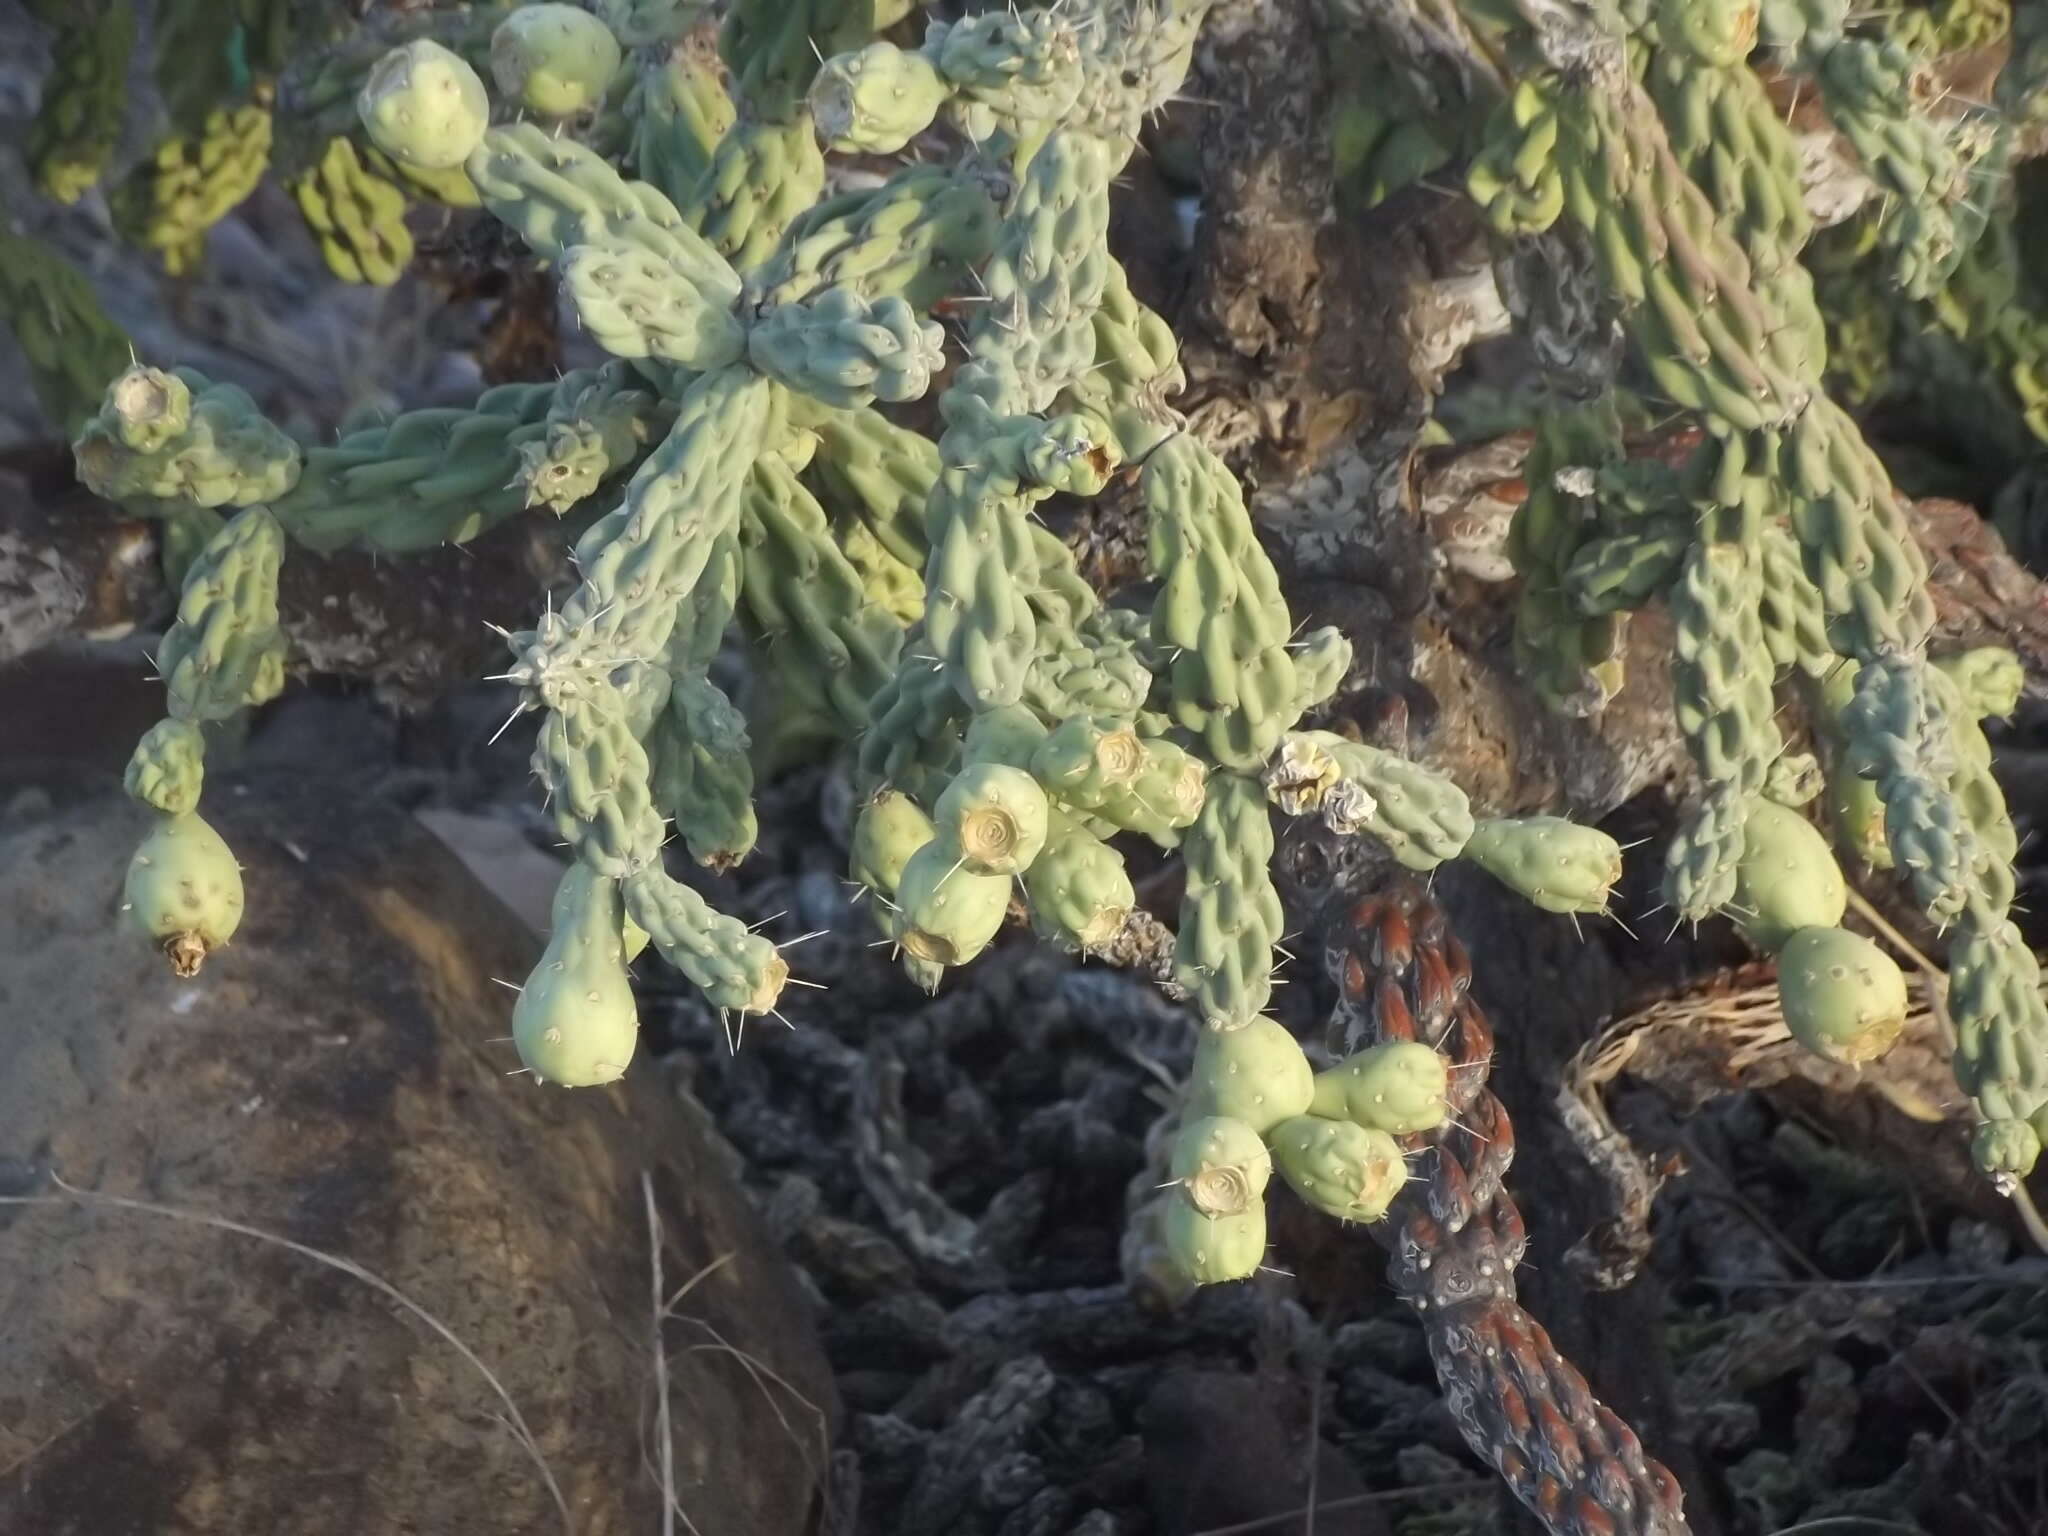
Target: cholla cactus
900 600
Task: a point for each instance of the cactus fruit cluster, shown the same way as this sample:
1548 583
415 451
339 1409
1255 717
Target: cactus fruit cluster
1012 734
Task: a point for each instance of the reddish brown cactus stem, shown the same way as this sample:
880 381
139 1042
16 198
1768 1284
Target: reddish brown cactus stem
1453 1238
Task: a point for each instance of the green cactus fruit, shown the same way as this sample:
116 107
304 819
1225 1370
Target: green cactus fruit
1211 1250
2007 1148
948 913
1256 1073
995 816
877 100
168 767
424 106
1085 758
184 890
1557 864
557 60
1844 999
1787 880
889 829
1221 1164
575 1022
1078 890
1399 1087
1990 679
1343 1169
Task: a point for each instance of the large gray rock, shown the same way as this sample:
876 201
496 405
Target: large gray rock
332 1078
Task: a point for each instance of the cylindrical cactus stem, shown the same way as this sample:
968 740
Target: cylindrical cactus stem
1399 1087
1557 864
178 436
1230 916
735 969
1421 817
226 652
1454 1238
919 236
1077 889
576 1023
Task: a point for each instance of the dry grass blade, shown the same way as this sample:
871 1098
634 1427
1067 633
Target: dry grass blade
514 1420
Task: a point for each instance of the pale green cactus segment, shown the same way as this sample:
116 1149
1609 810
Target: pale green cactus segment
1844 998
1899 734
1256 1073
1213 1250
1622 572
1572 661
178 436
881 471
994 818
1221 1165
1557 864
191 183
890 828
1087 758
684 110
848 351
805 601
1077 889
1421 817
978 618
184 890
1701 864
699 773
1136 371
1013 75
1976 789
1219 615
443 476
920 235
1164 800
423 105
356 215
1399 1087
2006 1148
1322 660
1343 1169
576 1023
1230 914
635 304
1795 779
1996 999
735 970
877 100
762 176
914 728
1788 879
1011 735
226 652
1035 334
1790 610
1988 679
639 561
1721 674
598 782
168 767
557 60
78 125
1853 804
557 194
947 913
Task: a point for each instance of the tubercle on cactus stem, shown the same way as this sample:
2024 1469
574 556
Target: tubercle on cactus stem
900 601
